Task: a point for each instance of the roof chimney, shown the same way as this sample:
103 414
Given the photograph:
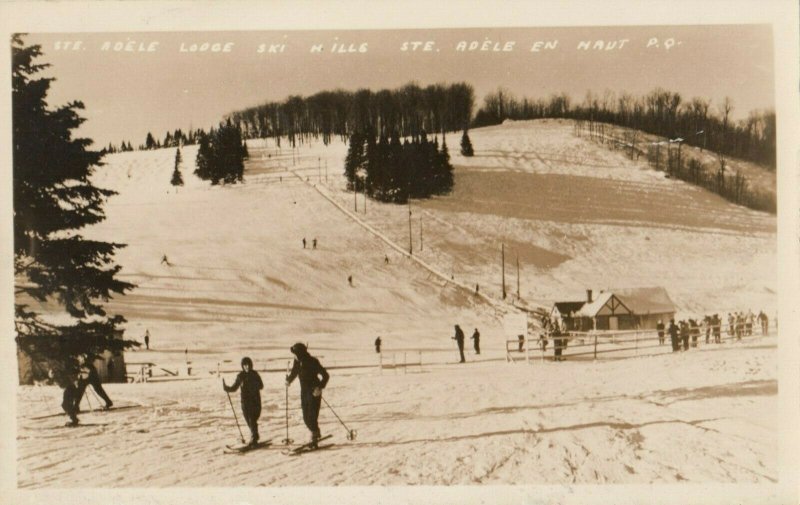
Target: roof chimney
588 296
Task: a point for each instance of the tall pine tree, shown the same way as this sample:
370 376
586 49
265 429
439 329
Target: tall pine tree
177 178
53 198
466 145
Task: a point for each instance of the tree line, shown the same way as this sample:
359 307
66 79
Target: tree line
660 112
174 138
408 111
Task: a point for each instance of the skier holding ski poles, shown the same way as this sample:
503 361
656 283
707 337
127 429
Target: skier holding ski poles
250 382
313 379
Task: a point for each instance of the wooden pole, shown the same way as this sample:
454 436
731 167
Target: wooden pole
503 267
410 243
518 275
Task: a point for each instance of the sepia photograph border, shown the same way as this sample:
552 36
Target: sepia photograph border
188 16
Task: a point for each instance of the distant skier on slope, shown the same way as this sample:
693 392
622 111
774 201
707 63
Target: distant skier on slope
313 379
250 382
459 338
378 345
476 337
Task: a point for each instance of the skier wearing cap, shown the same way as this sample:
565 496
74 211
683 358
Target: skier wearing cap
313 379
250 382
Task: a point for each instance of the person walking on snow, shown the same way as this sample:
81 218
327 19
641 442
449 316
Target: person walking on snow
250 382
147 339
313 379
459 338
477 341
660 329
304 242
378 345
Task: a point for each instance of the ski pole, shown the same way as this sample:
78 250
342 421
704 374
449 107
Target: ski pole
88 400
351 434
234 412
287 440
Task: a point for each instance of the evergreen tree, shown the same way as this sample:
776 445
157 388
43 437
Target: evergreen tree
220 155
53 198
466 145
203 162
177 178
150 142
355 159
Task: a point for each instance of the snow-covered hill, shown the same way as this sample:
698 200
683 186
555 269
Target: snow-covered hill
237 281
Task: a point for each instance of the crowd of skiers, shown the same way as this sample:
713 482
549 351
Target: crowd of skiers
687 333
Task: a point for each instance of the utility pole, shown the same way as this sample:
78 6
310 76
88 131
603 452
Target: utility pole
517 275
503 261
421 243
410 247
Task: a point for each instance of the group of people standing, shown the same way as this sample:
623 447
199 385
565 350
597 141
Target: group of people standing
686 333
459 338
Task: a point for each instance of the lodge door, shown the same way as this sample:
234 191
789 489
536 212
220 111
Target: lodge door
613 323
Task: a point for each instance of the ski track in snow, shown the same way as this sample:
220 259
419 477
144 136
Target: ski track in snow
241 283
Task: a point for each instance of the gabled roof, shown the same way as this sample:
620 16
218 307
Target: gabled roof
653 300
606 304
566 308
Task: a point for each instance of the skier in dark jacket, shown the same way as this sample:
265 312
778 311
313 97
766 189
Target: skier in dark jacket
459 338
73 392
313 379
250 382
476 336
660 330
673 335
685 335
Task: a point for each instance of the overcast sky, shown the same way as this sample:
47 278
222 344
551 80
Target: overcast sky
128 93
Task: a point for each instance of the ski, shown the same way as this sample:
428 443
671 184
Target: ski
309 447
79 425
241 449
59 414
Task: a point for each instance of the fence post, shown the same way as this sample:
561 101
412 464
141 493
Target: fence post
595 346
527 350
